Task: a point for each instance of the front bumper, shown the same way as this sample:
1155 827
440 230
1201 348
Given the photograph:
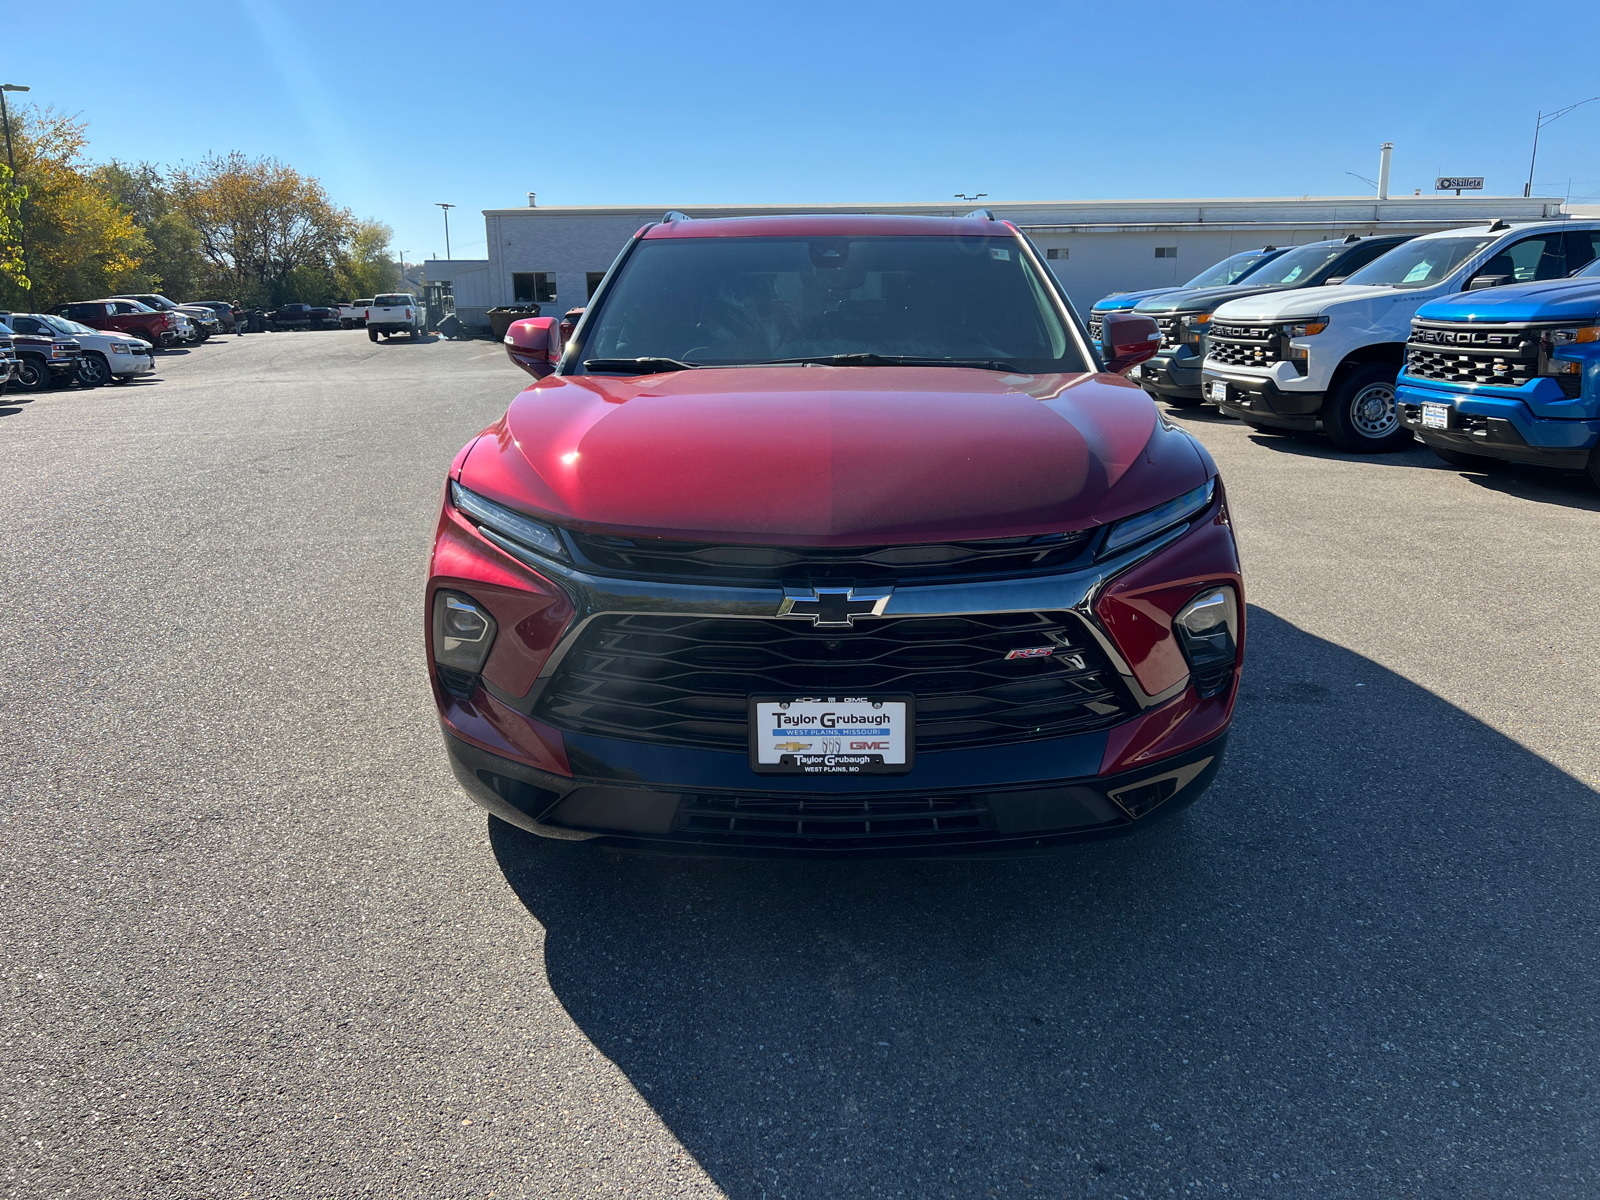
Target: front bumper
1259 400
1498 427
1001 809
1173 374
131 364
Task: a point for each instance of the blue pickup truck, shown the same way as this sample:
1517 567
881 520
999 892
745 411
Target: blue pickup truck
1508 374
1230 270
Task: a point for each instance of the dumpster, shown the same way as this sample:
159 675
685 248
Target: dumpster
500 318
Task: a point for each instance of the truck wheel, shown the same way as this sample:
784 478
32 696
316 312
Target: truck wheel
1594 466
346 323
32 375
1467 462
93 369
416 334
1360 415
372 335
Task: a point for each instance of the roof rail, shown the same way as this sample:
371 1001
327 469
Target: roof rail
672 216
982 214
1498 224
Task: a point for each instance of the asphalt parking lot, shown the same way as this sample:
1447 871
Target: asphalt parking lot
257 943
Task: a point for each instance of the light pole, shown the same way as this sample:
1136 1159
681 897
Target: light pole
5 116
1539 123
969 199
447 208
402 268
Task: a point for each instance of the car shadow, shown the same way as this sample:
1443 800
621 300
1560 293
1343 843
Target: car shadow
1363 959
1568 489
424 340
1308 444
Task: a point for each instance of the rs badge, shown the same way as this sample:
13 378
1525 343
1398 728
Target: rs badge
1031 652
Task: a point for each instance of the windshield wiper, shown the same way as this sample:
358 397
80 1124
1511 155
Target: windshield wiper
869 359
637 366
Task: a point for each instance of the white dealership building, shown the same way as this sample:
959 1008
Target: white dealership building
555 256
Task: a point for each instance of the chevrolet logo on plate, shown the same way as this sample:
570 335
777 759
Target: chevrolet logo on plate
833 607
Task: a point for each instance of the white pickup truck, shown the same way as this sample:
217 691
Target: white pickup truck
397 312
354 314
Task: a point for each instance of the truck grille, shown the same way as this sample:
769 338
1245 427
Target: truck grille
1169 330
1233 345
1503 355
1096 327
687 681
661 558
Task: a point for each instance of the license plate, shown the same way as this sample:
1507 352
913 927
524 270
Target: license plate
1436 416
822 735
1219 392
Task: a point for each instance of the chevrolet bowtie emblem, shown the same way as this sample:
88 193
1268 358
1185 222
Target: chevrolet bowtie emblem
834 607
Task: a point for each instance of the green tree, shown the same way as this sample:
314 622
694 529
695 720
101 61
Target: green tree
174 265
12 194
368 268
264 228
80 243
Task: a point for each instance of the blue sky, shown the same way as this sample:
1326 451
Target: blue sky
679 103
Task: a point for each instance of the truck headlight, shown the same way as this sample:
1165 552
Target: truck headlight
1208 629
1568 337
1309 328
1194 328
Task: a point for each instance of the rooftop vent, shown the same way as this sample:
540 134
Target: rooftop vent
533 199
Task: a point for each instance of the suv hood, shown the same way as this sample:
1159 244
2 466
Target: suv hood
833 455
1552 300
1125 300
1200 299
1309 302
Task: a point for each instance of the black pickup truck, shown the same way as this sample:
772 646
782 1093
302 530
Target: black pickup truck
303 316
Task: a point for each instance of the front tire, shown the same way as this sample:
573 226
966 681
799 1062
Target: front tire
346 323
93 369
1360 416
32 375
1594 466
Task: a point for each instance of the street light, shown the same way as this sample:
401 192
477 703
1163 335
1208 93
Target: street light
447 208
402 268
5 117
964 196
1539 124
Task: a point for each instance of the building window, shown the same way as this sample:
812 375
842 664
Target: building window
593 279
1166 252
535 286
1056 252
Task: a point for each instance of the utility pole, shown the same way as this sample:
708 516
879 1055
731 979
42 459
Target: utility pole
402 268
447 208
1539 123
5 117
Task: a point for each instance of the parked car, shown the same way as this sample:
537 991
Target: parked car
203 320
1508 374
1328 358
8 359
1230 270
224 312
302 316
106 357
1173 374
44 359
894 564
397 312
354 314
121 316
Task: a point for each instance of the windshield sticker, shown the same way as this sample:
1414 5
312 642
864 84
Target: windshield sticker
999 253
1418 272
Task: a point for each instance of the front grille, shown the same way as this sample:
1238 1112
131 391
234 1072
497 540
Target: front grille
1096 327
1234 345
687 681
660 558
1170 331
824 823
1503 355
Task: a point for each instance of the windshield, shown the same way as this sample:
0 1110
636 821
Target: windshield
400 301
133 306
1231 269
737 300
62 325
1297 265
1419 263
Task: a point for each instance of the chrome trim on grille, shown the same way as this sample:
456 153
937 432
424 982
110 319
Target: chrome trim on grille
1071 591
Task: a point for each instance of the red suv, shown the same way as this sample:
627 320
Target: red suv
833 535
120 316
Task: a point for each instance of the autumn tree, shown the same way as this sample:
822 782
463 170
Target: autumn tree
12 194
174 265
80 242
268 234
368 267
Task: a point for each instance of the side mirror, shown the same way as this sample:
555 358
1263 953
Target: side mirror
1488 281
534 345
1128 340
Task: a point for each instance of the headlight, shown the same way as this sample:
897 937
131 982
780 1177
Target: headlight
1568 337
1208 629
463 633
121 348
1194 327
1147 524
1297 329
502 525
